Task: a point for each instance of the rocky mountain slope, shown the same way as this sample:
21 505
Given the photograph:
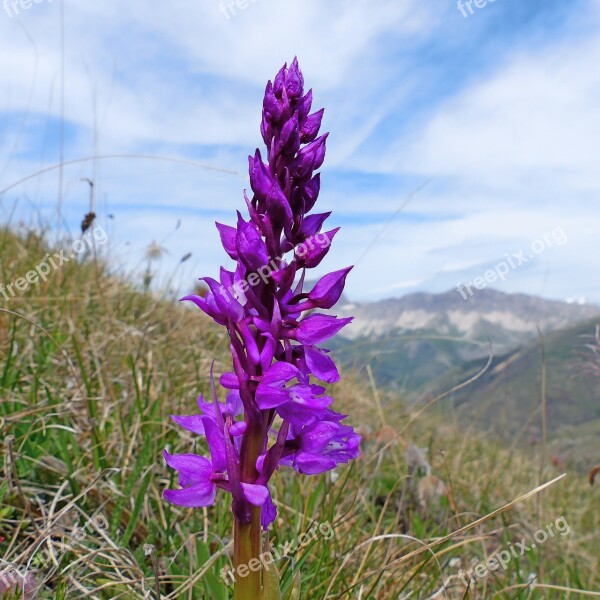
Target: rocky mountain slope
412 341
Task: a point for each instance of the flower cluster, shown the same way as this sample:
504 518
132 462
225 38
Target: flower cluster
275 413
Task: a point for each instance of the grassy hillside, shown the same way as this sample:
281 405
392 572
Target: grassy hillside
91 369
406 361
508 396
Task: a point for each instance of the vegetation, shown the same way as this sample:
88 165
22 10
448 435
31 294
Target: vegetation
90 370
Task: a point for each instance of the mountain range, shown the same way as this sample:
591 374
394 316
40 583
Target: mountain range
422 345
413 340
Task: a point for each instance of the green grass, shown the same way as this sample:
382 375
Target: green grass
91 369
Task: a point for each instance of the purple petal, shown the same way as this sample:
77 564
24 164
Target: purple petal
299 414
216 443
250 246
192 497
266 130
228 235
278 206
280 373
268 513
225 301
192 469
331 415
230 381
285 275
260 462
238 428
313 464
321 365
328 289
249 342
314 249
311 192
206 408
268 397
317 437
279 80
294 81
313 223
290 136
255 494
203 305
310 128
233 404
310 157
192 423
268 352
261 181
271 104
316 328
306 395
226 278
304 105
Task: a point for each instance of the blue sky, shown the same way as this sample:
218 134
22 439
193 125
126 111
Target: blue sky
495 117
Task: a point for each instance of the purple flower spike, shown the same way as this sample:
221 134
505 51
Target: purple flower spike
277 413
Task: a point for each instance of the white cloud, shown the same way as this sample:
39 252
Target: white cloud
536 117
512 154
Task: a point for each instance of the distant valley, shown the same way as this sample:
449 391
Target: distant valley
422 345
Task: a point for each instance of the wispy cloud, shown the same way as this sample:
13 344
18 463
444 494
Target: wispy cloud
500 111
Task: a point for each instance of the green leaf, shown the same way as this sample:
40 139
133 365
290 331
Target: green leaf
271 590
294 593
137 507
215 587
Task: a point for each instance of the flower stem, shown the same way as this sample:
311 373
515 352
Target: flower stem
246 548
247 535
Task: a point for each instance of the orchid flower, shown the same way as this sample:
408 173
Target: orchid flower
277 412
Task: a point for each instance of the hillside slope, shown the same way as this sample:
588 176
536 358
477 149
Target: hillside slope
435 341
507 396
91 369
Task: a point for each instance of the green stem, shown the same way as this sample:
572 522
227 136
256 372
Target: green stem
246 548
247 536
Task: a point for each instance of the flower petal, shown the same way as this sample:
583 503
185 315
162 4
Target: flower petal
216 442
192 469
192 423
238 428
328 289
250 246
317 328
280 373
255 494
192 497
230 381
320 364
312 464
268 513
314 249
268 396
228 235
